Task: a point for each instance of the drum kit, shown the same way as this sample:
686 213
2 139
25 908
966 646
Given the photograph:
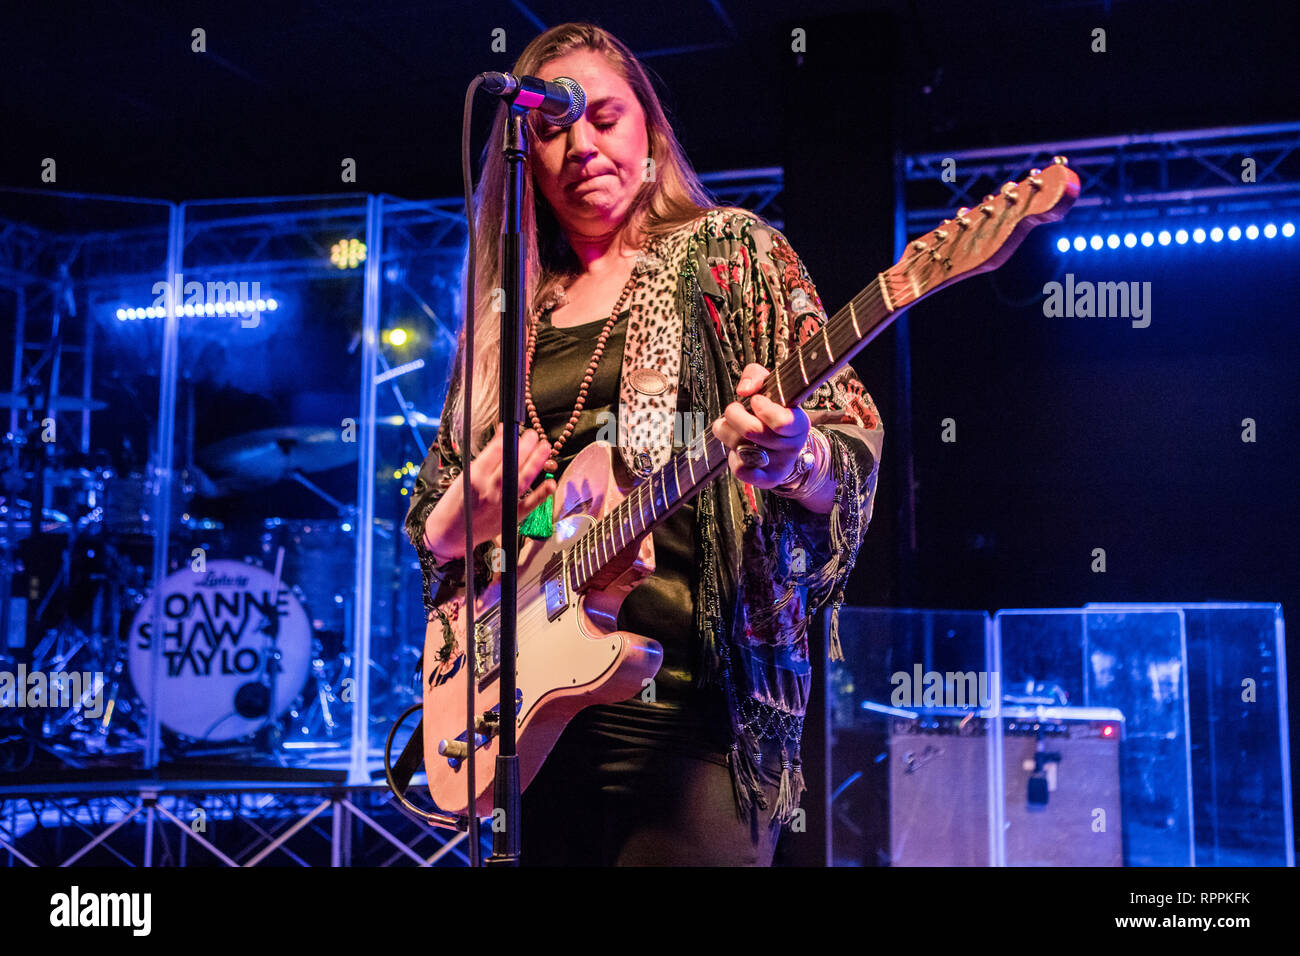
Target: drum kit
254 617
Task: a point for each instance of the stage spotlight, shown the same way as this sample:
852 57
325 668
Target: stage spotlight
1216 234
348 253
271 305
1252 231
395 337
1234 233
121 317
1198 235
1180 237
1164 237
1096 242
1080 243
1288 229
1112 241
1147 239
1270 231
1063 244
1130 240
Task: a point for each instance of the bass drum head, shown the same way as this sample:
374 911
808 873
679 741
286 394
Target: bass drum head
232 659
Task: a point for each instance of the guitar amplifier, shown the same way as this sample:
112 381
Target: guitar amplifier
1060 798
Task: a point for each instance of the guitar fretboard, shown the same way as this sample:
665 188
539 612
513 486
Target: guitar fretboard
705 457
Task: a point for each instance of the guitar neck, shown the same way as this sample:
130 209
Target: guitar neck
650 503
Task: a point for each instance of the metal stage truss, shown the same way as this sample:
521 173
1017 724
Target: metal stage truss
1191 171
243 824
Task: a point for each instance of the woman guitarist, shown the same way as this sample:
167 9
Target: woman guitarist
642 290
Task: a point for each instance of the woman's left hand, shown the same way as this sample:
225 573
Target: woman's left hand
780 432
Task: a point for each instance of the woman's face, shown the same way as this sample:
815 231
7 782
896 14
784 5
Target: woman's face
591 172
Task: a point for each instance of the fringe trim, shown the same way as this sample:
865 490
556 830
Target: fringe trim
791 789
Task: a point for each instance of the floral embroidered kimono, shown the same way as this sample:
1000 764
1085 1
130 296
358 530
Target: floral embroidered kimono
766 563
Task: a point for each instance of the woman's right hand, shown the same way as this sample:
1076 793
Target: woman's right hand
444 529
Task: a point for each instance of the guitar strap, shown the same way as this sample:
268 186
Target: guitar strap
652 356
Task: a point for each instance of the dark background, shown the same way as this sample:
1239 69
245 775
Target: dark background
1073 434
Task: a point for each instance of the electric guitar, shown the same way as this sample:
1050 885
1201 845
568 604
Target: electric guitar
571 653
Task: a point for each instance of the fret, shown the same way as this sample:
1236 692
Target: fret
802 371
780 388
622 528
600 540
690 464
853 317
884 292
677 478
830 356
640 511
650 484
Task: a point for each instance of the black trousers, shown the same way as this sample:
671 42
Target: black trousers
599 801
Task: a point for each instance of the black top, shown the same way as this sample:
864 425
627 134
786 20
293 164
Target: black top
682 717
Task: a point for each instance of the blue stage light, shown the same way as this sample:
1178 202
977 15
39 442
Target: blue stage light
272 305
1180 237
1198 235
121 317
1112 241
1288 229
1164 237
1096 242
1080 243
1234 233
1147 239
1252 231
1216 234
1270 231
260 305
1130 240
1062 244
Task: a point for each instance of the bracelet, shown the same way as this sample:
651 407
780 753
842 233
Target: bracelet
810 471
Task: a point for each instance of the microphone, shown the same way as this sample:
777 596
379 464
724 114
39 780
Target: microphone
560 100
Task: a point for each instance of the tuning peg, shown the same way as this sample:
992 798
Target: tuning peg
989 198
987 209
919 246
1009 191
1034 182
1035 172
1060 161
941 234
963 222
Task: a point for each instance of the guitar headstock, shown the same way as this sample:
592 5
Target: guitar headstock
980 239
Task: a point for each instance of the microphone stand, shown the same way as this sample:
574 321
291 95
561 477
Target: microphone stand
505 788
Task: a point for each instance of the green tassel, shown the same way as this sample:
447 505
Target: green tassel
540 523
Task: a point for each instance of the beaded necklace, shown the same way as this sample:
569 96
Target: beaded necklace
540 522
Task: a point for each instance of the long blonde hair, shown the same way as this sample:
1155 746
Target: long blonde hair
671 198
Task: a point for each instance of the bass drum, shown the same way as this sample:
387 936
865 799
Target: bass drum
234 658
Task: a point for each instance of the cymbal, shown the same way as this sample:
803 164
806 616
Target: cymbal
273 454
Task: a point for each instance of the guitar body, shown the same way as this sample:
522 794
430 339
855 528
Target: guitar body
570 653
